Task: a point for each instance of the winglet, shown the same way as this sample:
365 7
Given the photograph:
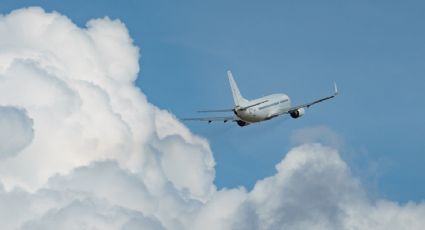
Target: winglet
335 89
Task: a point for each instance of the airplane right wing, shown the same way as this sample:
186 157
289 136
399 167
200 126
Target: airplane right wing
211 119
307 105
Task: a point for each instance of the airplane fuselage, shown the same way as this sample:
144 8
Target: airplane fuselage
275 105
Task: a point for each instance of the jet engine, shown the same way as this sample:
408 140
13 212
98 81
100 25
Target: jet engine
242 123
297 113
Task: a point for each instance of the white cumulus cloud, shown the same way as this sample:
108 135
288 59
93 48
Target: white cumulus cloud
82 148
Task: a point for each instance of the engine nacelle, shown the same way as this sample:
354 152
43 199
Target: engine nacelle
242 123
297 113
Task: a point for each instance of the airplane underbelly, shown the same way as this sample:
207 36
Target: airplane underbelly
252 117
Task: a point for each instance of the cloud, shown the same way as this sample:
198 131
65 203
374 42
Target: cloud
85 106
50 209
90 121
310 188
314 188
89 151
16 131
88 214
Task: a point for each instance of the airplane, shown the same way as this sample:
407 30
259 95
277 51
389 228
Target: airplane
262 109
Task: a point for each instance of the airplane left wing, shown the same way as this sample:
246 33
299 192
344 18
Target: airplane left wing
211 119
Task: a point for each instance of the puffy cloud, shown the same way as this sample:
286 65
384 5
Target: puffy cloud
50 209
313 188
93 132
82 148
310 188
77 86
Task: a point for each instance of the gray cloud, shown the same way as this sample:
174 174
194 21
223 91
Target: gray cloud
310 189
314 188
16 131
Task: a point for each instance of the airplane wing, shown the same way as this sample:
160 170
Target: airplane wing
307 105
211 119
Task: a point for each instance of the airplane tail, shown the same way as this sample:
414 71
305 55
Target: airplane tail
237 97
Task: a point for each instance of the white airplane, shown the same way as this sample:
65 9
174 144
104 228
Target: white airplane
261 109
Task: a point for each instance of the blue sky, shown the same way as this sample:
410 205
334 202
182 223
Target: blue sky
374 50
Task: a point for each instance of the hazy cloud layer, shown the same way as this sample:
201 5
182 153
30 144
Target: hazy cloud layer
88 151
314 134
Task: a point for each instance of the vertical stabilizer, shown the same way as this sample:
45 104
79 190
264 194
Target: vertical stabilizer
237 97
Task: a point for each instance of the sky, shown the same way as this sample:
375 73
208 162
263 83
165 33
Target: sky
374 50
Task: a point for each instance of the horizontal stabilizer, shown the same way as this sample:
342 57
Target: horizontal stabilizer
249 106
210 119
231 110
215 110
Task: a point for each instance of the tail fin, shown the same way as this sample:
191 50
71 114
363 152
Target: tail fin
237 97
